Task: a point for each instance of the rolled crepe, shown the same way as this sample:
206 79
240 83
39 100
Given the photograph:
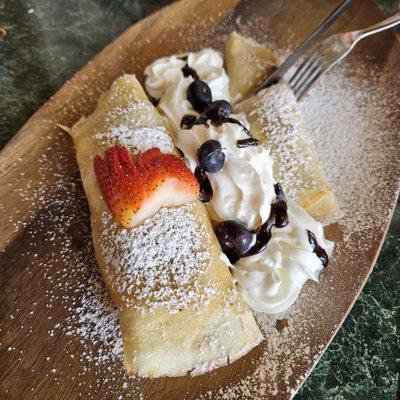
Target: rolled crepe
179 309
277 122
248 63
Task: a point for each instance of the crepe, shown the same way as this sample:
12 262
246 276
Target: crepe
247 64
179 309
277 122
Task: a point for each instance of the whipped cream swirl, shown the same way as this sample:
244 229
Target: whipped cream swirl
243 189
166 83
271 280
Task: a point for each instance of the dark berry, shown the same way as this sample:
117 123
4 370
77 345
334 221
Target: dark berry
211 156
234 237
199 95
218 110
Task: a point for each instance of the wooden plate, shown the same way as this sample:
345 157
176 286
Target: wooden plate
46 255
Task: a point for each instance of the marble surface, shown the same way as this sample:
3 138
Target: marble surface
48 41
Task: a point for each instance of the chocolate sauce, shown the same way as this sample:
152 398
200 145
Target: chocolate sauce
237 122
216 114
281 324
278 218
153 100
242 143
206 192
188 120
317 249
189 71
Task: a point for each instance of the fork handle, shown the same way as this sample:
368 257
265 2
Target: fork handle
379 27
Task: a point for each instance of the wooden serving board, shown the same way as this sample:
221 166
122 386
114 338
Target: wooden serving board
44 222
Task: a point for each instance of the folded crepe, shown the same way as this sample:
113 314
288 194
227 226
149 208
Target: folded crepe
179 309
248 64
277 122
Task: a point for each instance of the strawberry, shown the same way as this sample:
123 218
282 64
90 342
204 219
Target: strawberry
136 191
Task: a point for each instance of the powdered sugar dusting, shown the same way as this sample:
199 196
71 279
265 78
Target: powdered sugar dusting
73 306
132 105
159 263
96 319
265 381
283 125
137 140
353 130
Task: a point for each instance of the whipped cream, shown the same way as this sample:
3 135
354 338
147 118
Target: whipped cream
271 280
165 82
243 189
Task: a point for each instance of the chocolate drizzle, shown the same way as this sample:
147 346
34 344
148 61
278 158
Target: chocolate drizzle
317 249
242 143
217 112
189 71
188 120
206 192
278 218
153 100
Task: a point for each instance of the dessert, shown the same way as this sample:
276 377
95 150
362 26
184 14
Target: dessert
277 122
179 309
272 245
159 248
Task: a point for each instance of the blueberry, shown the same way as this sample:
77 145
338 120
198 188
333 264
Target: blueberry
218 110
211 156
234 238
199 95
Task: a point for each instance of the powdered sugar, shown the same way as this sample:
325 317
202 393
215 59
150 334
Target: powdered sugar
159 263
352 127
283 130
133 105
137 140
96 319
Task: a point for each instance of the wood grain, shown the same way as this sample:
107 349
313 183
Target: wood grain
27 290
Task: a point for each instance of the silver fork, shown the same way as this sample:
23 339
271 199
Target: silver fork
331 51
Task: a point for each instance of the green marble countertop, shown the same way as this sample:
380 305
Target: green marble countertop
48 41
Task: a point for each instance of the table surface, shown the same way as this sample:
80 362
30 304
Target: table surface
48 41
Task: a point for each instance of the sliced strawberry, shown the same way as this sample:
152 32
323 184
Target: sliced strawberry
134 192
149 155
